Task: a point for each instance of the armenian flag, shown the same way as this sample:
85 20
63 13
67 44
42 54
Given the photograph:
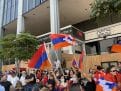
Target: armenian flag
74 63
61 40
104 85
40 59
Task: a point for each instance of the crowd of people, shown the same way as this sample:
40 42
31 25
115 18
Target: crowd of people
71 79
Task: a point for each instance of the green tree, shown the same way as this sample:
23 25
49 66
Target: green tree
7 47
101 8
20 47
25 44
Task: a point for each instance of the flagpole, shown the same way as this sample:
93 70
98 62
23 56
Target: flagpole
48 55
60 64
74 46
58 59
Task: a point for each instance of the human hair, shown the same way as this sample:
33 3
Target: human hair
109 68
99 67
44 89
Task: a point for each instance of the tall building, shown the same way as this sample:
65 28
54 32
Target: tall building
40 16
35 16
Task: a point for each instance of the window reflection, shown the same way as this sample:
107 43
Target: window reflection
11 8
10 11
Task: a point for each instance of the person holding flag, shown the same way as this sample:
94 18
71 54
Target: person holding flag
59 41
39 60
57 64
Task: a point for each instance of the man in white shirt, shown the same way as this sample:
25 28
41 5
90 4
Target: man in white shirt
13 78
57 64
22 78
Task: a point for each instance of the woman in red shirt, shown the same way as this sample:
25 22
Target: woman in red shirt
111 76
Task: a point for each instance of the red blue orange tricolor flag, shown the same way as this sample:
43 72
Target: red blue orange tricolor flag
74 63
61 40
81 60
40 59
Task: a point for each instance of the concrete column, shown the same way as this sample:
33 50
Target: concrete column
54 16
1 29
1 16
54 21
20 20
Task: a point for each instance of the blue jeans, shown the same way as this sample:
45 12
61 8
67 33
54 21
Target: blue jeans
28 87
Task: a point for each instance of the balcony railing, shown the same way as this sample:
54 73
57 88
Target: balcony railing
76 33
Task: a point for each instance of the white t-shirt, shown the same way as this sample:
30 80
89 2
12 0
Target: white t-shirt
14 80
57 64
9 77
22 80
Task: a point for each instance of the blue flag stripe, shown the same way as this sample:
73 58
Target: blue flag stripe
42 58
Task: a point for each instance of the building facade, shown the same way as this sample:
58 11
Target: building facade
39 16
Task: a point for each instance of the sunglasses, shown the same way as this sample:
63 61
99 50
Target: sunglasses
113 71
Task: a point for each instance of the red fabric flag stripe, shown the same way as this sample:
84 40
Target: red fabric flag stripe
81 60
54 36
36 57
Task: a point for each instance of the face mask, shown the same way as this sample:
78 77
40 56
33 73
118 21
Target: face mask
62 80
57 74
67 71
24 75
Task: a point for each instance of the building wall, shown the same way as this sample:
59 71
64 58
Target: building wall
91 61
114 31
88 62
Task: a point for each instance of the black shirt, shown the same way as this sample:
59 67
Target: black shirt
31 76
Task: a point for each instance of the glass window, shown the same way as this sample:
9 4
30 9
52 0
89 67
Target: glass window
37 2
30 4
0 4
13 10
106 44
8 10
5 12
25 6
43 1
93 48
106 65
16 8
33 3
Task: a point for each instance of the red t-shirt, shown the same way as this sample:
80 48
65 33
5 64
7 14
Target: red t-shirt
98 74
110 77
44 80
